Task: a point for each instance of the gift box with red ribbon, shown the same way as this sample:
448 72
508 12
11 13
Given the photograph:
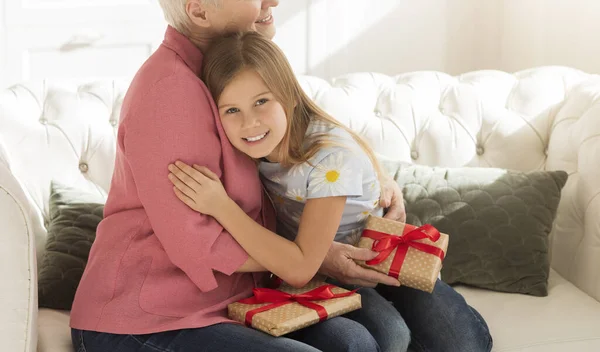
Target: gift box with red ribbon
411 254
281 311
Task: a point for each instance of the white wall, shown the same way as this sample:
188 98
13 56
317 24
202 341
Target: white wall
549 32
2 45
321 37
330 37
76 39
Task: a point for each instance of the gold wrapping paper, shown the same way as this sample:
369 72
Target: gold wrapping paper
420 270
294 316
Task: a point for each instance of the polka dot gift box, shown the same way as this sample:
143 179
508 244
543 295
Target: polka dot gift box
411 254
281 311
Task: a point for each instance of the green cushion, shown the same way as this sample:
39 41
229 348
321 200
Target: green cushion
498 222
74 217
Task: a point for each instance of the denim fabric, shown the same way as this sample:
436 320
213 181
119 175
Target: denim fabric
383 321
338 334
441 321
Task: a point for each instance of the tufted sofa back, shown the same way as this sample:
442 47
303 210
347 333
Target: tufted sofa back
543 118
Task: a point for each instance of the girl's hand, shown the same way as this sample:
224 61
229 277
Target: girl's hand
199 188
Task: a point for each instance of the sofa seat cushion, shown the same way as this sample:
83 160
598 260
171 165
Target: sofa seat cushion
566 320
54 333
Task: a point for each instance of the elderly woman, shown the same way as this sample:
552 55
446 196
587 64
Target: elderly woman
159 276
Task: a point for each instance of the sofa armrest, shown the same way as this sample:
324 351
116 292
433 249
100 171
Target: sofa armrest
574 146
18 278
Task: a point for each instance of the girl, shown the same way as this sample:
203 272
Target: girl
322 177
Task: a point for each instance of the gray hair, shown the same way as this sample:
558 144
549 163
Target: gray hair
176 16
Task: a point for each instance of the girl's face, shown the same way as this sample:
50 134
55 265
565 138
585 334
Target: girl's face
255 123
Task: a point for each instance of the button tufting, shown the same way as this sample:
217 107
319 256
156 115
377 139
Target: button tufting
480 150
377 113
113 123
83 167
414 155
43 121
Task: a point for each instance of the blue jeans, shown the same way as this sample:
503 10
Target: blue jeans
441 321
338 334
384 322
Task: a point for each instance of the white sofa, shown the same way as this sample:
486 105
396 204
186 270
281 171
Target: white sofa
543 118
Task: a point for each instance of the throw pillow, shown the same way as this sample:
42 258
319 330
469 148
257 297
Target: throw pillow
498 222
74 217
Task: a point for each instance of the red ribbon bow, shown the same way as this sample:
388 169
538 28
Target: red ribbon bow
386 243
279 298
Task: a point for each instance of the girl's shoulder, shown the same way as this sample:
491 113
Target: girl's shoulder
331 133
316 127
338 144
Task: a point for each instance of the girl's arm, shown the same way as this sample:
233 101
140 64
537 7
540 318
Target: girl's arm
250 266
294 262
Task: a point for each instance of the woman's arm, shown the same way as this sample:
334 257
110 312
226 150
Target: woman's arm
294 262
173 118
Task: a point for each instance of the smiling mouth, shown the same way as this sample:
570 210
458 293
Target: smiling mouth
256 138
266 19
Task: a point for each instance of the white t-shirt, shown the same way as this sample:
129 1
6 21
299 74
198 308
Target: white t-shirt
339 170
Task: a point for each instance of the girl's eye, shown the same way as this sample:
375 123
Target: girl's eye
261 101
232 110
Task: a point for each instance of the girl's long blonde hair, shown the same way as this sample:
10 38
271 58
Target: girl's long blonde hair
232 54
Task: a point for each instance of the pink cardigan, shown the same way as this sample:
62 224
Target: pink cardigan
157 265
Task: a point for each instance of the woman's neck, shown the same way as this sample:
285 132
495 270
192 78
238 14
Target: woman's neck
201 40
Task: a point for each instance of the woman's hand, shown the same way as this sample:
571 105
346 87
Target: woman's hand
392 200
340 265
199 188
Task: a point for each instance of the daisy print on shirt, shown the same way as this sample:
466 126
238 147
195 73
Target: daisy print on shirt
330 176
296 194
